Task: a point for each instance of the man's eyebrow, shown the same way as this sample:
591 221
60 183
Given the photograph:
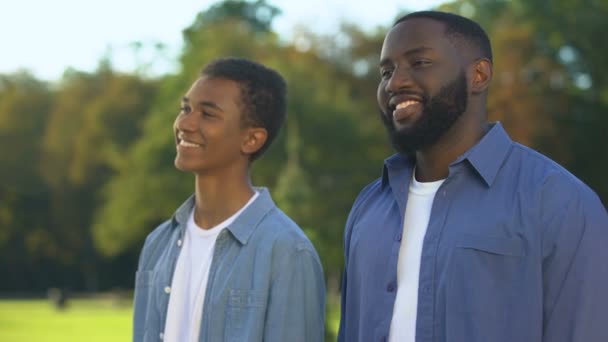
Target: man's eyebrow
211 104
385 61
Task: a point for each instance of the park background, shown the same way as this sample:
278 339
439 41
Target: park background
86 159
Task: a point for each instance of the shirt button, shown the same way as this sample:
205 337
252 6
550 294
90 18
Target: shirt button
390 287
179 243
167 289
398 237
162 336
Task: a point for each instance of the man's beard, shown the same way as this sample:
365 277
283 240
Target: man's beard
439 113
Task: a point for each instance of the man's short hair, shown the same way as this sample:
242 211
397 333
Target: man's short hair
263 94
457 27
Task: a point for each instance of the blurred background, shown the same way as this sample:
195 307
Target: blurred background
89 92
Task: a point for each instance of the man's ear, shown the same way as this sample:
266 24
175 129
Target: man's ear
255 138
481 75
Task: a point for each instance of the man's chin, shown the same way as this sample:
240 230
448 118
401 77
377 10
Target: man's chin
403 128
403 142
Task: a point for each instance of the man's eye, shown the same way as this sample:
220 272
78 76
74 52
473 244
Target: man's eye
421 63
386 73
184 109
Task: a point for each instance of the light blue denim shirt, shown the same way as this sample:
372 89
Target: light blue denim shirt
265 282
516 250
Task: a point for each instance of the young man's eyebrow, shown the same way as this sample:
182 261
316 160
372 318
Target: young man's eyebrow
211 104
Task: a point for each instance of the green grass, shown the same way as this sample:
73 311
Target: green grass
82 320
88 320
332 319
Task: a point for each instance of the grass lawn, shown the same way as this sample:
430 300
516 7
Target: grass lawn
82 320
88 320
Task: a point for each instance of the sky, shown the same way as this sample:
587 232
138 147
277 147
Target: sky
46 37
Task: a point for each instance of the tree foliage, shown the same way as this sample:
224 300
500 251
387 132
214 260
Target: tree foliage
87 162
550 85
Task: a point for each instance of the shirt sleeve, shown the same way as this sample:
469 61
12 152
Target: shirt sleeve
343 289
296 307
575 265
348 229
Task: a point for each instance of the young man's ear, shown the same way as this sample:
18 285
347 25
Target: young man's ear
481 75
254 140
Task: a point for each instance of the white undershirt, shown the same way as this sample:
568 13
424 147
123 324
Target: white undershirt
189 283
415 222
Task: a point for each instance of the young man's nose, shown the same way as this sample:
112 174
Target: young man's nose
187 122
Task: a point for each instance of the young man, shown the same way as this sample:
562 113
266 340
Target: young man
229 265
467 236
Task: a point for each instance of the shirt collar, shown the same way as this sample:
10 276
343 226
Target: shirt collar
243 226
486 157
396 166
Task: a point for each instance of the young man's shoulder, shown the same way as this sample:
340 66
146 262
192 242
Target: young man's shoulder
160 233
276 226
160 230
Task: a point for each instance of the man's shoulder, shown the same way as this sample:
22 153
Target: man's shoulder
544 170
541 174
370 192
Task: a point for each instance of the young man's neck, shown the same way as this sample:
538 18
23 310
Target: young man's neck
218 198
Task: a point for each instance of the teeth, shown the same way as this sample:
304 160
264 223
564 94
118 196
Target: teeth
188 144
405 104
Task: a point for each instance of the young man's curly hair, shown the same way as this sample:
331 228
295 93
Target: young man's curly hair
263 94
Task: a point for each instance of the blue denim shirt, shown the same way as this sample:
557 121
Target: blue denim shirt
516 250
265 282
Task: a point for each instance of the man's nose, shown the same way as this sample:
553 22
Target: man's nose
399 80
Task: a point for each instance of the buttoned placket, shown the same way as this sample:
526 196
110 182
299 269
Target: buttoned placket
167 289
220 246
426 302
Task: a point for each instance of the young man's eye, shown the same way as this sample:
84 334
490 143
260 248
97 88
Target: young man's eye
184 109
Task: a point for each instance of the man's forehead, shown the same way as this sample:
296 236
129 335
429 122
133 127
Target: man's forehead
416 34
417 30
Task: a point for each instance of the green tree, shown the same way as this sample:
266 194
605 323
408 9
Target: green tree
550 84
316 167
149 188
569 32
24 106
94 119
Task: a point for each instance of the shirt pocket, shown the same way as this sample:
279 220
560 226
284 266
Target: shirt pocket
143 285
485 275
245 315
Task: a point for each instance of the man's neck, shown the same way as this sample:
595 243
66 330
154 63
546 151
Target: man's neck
218 199
432 163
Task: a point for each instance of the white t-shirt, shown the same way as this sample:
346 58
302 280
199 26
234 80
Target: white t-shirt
189 283
415 222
